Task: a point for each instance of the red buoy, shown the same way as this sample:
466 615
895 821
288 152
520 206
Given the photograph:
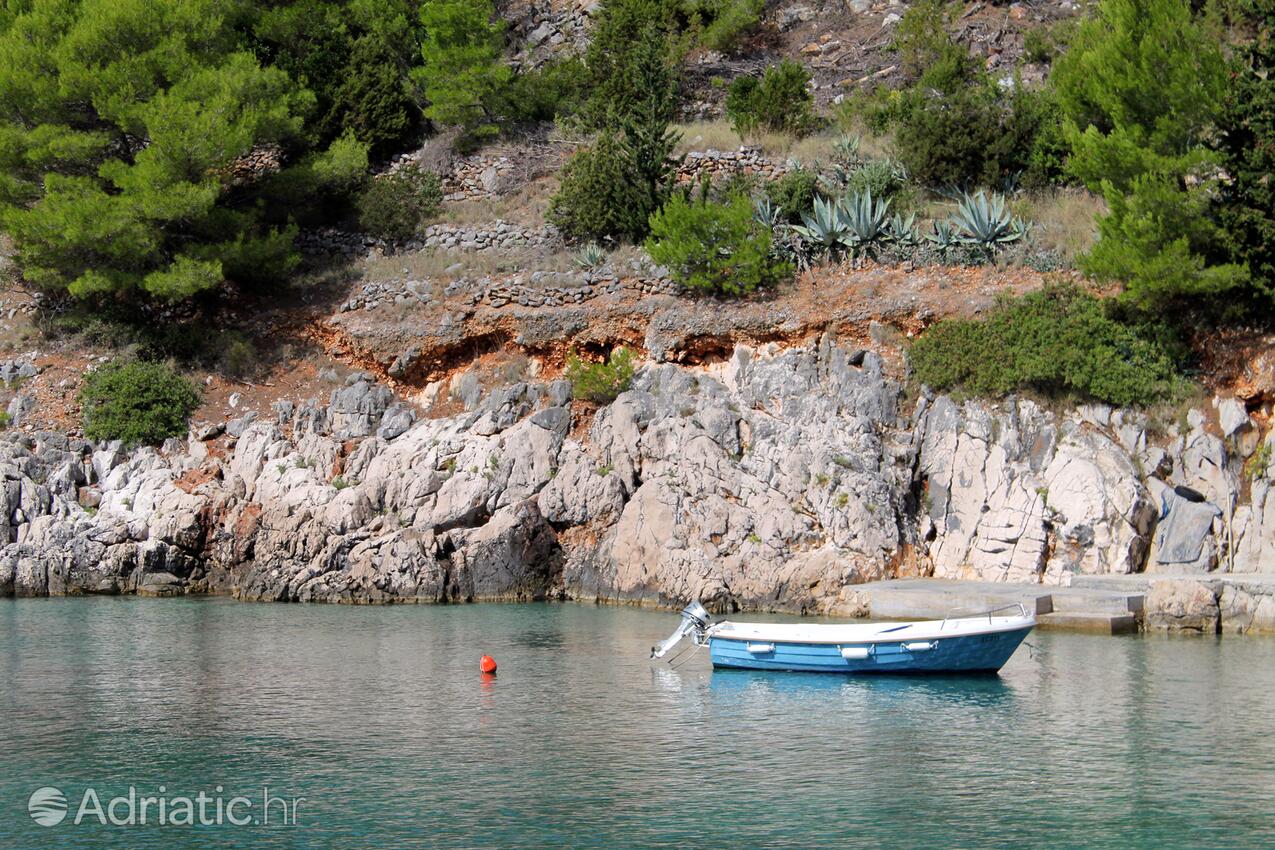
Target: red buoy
487 664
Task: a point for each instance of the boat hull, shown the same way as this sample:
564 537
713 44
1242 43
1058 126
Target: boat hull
974 653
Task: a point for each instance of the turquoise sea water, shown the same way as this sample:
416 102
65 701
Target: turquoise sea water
379 718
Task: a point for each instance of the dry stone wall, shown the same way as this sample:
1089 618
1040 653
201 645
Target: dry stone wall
719 165
477 177
498 236
527 289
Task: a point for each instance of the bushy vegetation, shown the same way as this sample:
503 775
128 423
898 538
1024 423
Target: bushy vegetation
619 25
557 89
136 402
617 60
955 124
712 247
601 382
354 56
163 151
596 198
1060 340
723 23
374 103
884 178
780 101
395 205
794 193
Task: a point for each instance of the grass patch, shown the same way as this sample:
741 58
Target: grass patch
1063 219
449 265
527 205
719 135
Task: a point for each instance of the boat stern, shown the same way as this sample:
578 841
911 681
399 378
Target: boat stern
695 622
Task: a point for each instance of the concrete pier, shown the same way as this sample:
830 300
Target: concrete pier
1106 610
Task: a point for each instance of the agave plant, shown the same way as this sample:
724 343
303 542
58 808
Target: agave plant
867 222
823 228
767 214
904 232
591 256
944 237
786 246
846 150
986 222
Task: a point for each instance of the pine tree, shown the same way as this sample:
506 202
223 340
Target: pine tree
648 142
373 101
612 189
122 125
1139 90
614 52
463 69
1246 206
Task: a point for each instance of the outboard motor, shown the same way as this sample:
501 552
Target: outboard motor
695 620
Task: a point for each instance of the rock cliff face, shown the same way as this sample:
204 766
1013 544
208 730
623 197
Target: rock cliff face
776 480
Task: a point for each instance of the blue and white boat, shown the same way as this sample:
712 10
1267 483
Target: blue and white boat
970 644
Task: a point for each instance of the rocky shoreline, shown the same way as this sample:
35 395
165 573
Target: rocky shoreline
777 480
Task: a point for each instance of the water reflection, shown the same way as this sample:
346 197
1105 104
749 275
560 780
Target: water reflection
885 689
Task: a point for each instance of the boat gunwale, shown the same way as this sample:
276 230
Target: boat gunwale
1000 625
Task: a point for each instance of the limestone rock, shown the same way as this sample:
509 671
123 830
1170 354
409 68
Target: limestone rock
356 409
777 479
1183 606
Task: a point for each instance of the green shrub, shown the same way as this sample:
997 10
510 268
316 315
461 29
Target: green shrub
1046 162
725 22
955 125
373 101
1037 47
396 204
794 193
884 178
596 198
354 55
601 382
930 57
137 402
714 247
237 356
1060 340
780 101
557 89
979 135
